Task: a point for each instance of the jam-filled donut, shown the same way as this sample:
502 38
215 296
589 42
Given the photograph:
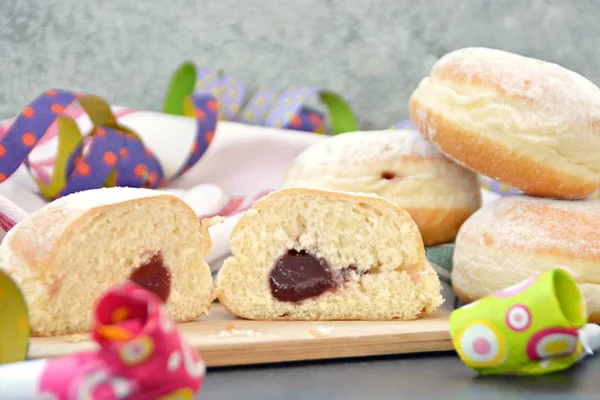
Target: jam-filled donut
399 165
515 238
66 254
308 254
527 123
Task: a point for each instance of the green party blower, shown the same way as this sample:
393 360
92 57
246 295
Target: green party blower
535 327
14 322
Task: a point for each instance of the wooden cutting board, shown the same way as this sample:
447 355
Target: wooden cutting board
224 340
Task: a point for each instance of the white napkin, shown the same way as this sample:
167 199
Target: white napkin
243 163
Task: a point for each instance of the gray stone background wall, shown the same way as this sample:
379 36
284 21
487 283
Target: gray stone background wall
372 51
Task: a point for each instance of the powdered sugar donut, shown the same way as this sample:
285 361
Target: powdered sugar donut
516 238
309 254
69 252
527 123
399 165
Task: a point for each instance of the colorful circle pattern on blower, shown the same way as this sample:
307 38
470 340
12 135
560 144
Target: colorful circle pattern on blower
114 156
141 354
529 328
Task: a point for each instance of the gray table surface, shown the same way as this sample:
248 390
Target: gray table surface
434 376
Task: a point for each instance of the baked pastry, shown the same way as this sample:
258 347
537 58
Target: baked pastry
524 122
306 254
66 254
399 165
515 238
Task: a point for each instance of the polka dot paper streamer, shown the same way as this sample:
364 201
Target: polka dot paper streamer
29 127
288 110
528 328
258 106
114 155
231 96
137 164
205 108
91 170
207 81
289 105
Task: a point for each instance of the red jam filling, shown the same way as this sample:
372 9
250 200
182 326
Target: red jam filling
154 277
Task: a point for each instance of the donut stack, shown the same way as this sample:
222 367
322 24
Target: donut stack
532 125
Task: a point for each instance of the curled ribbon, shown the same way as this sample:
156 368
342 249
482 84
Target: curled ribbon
110 155
265 107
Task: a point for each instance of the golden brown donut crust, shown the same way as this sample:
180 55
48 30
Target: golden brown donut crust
496 160
448 222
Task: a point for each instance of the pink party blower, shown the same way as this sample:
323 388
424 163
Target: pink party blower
141 355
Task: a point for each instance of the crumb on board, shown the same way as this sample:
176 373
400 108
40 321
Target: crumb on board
77 337
230 327
320 331
240 333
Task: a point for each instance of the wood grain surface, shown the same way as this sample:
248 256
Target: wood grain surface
224 340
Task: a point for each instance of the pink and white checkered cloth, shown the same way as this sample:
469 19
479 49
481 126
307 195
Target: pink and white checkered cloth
10 214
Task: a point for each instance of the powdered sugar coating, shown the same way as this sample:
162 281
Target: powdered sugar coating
301 189
44 226
551 88
104 196
366 147
553 227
